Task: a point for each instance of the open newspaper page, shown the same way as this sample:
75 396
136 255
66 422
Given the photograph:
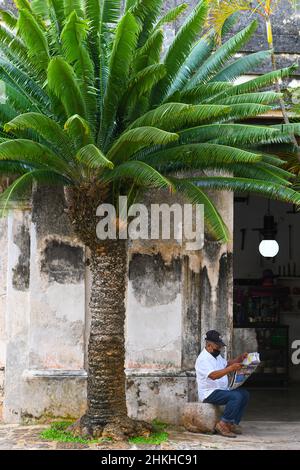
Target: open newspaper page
249 364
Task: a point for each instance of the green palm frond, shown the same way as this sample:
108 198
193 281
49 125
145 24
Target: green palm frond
199 53
264 188
71 6
62 82
93 14
199 93
241 66
9 19
33 153
135 139
79 131
18 79
180 48
204 155
171 15
43 126
92 157
73 39
14 52
34 38
213 219
17 100
7 112
288 128
256 83
172 116
246 111
149 53
216 61
262 171
110 12
263 97
122 53
40 9
141 173
13 167
138 91
147 14
233 134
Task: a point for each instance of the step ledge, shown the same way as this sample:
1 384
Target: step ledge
30 374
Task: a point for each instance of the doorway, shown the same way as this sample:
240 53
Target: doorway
266 303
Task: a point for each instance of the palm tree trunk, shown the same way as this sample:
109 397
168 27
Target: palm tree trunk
106 413
106 349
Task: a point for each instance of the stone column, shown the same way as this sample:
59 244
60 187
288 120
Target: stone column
174 297
3 276
45 375
216 278
17 310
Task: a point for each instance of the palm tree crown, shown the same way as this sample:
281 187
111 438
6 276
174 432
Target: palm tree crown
93 102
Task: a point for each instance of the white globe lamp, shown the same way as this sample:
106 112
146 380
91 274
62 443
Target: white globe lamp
268 248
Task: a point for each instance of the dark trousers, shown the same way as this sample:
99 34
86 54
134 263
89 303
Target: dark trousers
235 402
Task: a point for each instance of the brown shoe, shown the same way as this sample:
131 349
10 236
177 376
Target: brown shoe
223 429
236 429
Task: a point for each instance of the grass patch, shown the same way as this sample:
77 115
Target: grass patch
58 432
158 435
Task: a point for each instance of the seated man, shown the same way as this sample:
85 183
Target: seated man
211 371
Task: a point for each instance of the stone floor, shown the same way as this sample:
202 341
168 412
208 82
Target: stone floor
259 435
272 421
274 405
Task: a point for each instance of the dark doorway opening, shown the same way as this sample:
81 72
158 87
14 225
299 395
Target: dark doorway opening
267 304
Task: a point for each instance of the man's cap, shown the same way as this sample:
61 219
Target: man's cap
215 337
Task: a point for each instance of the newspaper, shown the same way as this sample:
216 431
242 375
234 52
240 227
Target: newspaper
249 365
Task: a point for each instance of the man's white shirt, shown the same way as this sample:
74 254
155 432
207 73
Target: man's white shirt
205 364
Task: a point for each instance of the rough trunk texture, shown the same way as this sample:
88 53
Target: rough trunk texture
106 414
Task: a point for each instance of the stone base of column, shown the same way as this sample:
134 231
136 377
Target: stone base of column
46 395
159 394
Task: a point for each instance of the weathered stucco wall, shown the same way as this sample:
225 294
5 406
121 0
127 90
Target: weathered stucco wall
174 297
45 313
17 310
3 281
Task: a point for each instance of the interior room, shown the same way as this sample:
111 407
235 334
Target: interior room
267 303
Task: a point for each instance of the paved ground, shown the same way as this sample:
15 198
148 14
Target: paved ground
257 435
272 421
274 405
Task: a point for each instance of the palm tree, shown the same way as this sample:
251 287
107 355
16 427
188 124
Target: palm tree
222 11
92 106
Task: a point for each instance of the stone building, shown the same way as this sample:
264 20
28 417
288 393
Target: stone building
173 298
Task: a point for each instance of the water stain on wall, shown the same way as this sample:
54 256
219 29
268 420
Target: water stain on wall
63 262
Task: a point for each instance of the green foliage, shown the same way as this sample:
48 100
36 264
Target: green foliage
91 98
58 432
158 435
154 439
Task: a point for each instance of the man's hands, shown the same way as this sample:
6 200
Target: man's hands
237 360
218 374
234 367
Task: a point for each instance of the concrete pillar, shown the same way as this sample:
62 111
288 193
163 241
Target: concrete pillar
174 297
3 287
45 375
216 278
17 311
